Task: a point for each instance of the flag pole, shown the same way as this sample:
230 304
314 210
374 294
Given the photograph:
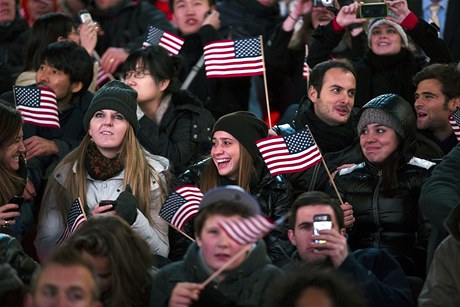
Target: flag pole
81 207
327 169
226 265
181 232
265 83
308 67
98 59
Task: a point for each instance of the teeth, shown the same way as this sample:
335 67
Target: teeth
106 133
222 160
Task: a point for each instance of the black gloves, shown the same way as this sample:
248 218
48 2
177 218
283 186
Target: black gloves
127 205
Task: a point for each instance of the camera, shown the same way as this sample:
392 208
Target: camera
320 222
323 3
18 200
373 10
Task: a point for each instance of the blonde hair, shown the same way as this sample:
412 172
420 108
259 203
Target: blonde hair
246 171
138 174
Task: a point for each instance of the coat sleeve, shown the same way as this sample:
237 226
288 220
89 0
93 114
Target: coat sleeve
380 276
50 228
441 285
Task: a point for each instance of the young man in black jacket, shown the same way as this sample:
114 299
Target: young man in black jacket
381 278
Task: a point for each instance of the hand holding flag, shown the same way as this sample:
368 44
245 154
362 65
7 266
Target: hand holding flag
169 41
75 218
289 154
38 105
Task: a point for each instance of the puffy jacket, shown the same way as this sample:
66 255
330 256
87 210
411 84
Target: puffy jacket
383 221
246 285
275 199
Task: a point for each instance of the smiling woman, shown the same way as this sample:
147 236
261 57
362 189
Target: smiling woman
385 188
12 165
108 161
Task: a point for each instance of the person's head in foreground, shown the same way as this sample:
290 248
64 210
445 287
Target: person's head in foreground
121 258
66 279
313 286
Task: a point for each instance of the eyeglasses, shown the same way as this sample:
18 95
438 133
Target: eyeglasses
136 74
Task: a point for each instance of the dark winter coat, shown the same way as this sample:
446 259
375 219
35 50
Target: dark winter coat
12 40
275 199
246 285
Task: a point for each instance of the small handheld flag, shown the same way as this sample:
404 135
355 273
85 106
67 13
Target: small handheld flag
289 154
234 58
454 120
38 105
75 218
169 41
248 230
181 205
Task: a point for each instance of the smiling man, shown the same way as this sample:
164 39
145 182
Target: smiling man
436 97
327 110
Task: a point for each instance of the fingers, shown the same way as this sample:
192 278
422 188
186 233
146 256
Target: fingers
29 191
184 294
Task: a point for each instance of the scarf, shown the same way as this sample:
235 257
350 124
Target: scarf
100 167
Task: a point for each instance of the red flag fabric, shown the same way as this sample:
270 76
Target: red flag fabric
306 69
181 205
233 58
454 120
38 105
169 41
75 218
102 76
289 154
248 230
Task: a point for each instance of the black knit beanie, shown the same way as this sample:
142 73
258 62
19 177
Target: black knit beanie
117 96
245 127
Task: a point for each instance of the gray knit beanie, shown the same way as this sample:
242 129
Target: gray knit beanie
376 22
116 96
245 127
378 116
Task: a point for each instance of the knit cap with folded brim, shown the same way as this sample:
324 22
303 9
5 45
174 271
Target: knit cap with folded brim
116 96
245 127
376 22
376 116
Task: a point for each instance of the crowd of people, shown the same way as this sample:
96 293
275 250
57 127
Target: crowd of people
82 206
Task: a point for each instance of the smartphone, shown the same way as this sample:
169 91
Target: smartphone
321 222
108 202
373 10
18 200
323 3
84 16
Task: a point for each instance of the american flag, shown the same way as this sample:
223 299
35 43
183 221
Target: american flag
289 154
38 105
102 77
234 58
181 205
454 120
248 230
75 218
169 41
306 67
